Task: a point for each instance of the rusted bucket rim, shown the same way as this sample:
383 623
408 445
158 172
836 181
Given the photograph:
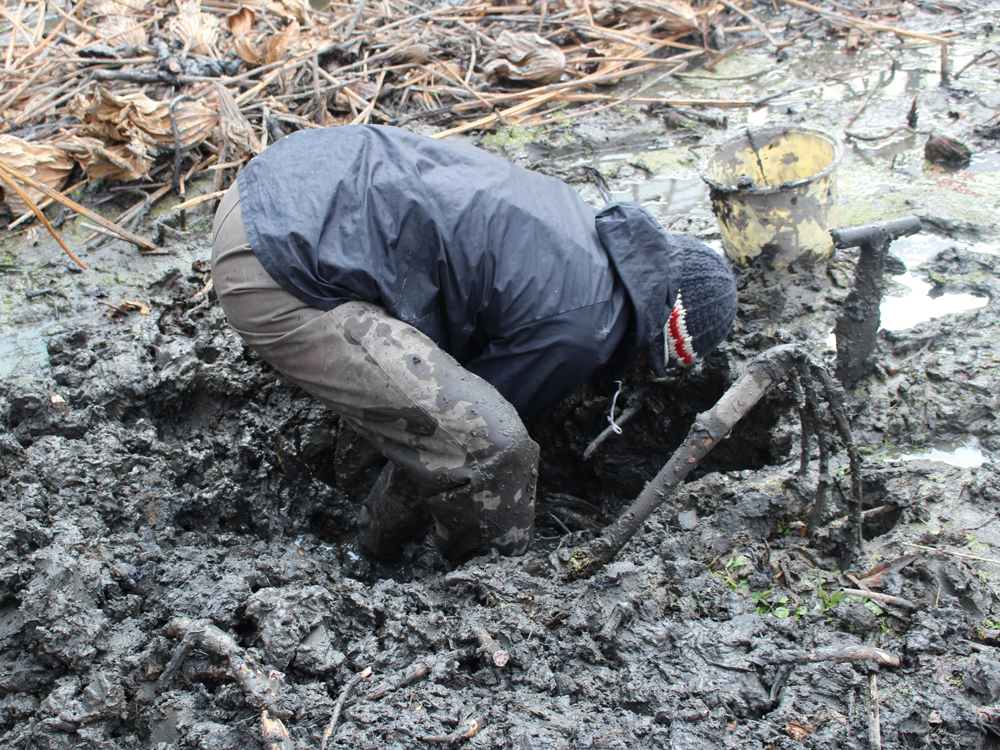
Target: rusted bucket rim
766 135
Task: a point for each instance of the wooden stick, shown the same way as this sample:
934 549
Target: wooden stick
260 687
53 35
73 205
14 93
619 101
41 217
42 205
708 429
757 24
192 202
874 722
838 654
850 21
338 707
363 116
15 27
893 601
490 119
950 552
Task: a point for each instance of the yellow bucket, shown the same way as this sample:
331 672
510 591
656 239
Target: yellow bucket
774 195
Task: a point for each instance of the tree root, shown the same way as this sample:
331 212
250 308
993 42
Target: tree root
812 381
261 688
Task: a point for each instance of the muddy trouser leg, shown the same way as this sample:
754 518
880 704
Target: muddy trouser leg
448 434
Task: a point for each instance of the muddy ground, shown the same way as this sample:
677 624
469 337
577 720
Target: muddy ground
153 468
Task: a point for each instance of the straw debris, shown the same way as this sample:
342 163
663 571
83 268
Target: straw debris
88 90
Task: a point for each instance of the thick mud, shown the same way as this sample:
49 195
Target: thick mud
153 468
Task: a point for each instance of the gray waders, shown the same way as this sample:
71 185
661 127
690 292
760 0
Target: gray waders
458 451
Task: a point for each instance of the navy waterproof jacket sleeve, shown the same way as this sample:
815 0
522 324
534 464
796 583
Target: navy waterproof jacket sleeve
508 270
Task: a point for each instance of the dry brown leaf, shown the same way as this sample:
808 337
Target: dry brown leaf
615 50
798 730
673 16
241 24
115 7
279 44
521 56
293 10
48 164
241 21
415 53
235 128
197 31
116 312
141 122
115 161
121 31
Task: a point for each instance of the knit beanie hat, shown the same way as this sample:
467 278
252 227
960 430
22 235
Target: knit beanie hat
705 307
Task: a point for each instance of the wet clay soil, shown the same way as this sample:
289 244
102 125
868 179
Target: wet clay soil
153 467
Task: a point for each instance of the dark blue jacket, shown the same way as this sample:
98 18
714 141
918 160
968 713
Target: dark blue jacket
507 270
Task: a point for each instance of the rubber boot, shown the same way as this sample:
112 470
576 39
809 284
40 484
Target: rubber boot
394 513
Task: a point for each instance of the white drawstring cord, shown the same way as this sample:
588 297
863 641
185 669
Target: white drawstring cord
614 401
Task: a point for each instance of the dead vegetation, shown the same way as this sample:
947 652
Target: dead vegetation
158 93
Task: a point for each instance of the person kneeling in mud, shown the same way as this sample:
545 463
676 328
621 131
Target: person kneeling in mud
434 296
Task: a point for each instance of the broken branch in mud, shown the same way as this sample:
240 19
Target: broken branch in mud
711 427
467 731
838 654
339 706
874 721
943 551
414 672
498 656
892 601
41 216
13 174
261 688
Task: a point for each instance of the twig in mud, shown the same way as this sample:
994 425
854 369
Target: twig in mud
607 432
339 705
41 216
893 601
974 60
74 206
498 656
880 136
837 654
413 673
943 551
784 672
860 23
261 688
864 103
874 722
757 24
467 731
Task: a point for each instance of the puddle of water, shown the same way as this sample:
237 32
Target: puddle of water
23 349
985 163
966 454
919 306
921 303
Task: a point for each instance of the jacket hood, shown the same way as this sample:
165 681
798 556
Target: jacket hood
649 265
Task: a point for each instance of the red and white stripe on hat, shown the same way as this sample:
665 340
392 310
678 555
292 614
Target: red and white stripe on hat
675 334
